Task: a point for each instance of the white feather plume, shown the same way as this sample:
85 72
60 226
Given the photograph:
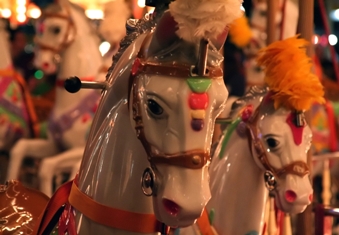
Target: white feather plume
113 26
204 18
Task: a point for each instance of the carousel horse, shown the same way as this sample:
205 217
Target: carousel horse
118 12
286 22
264 147
17 115
65 34
155 121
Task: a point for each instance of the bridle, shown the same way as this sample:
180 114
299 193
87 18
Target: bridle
193 159
298 168
68 37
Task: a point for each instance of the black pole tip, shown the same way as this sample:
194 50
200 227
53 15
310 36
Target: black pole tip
72 84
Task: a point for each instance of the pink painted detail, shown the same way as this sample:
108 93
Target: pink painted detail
310 197
135 66
67 221
297 132
290 196
247 113
198 101
86 117
171 207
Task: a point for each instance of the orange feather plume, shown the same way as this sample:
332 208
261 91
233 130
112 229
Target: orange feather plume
240 32
288 74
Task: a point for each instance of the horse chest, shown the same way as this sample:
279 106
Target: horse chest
83 112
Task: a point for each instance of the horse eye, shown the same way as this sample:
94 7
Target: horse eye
272 143
154 107
56 30
262 13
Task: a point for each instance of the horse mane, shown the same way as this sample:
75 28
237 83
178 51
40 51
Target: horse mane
254 93
134 28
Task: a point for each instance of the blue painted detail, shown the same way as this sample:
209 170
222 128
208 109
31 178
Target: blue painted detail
252 233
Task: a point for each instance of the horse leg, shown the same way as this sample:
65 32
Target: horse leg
63 161
36 148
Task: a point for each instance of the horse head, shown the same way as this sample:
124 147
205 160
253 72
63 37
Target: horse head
278 134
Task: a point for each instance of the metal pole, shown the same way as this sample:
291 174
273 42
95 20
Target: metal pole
305 29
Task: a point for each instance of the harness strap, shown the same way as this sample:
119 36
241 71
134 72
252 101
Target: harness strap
59 199
27 98
204 224
112 217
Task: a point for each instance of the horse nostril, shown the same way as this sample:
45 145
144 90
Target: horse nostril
290 196
171 207
310 197
45 65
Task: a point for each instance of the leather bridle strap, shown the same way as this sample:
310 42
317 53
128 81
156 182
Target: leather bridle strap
112 217
298 168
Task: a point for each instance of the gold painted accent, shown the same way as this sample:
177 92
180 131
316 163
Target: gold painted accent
198 114
196 160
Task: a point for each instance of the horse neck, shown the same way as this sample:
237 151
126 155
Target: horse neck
238 190
82 59
5 60
112 166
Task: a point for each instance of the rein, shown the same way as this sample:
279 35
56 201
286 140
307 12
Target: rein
33 119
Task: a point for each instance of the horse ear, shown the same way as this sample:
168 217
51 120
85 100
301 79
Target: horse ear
164 34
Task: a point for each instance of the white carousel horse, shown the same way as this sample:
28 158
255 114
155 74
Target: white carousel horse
286 21
154 121
66 34
113 26
263 146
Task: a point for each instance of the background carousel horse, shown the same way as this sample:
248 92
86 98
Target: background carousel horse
17 114
113 28
161 94
269 138
286 22
66 34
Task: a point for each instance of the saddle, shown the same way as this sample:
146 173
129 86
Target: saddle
20 208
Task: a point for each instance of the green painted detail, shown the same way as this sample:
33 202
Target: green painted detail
211 216
228 133
199 85
43 130
336 108
12 118
42 88
55 230
253 232
39 74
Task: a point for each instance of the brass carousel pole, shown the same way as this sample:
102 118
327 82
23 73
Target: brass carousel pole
305 29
